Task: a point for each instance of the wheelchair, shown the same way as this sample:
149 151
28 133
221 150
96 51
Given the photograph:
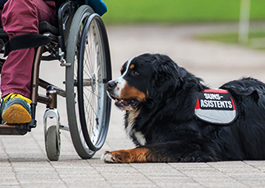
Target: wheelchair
80 44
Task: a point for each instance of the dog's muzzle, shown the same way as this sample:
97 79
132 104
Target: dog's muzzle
122 103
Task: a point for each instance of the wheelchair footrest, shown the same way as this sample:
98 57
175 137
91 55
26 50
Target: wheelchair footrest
13 129
25 41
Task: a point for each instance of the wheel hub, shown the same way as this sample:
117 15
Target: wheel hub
93 82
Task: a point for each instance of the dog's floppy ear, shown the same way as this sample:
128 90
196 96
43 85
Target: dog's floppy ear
166 75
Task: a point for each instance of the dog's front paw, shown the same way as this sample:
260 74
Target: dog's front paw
107 157
121 156
136 155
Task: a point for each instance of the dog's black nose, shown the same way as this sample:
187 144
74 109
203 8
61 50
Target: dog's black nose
110 85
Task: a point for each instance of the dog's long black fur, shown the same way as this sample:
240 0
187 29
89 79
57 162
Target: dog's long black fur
172 132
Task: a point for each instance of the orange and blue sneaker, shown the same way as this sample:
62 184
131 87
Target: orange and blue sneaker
15 109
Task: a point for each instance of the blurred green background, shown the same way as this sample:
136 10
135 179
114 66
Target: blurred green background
178 11
124 12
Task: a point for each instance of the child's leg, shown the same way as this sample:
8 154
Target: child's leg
22 17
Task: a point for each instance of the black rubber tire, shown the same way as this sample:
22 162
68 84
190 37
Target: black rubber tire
52 143
73 94
94 70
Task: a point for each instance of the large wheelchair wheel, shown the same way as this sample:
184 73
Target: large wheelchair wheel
88 106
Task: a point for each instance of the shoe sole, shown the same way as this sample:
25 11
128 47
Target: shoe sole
16 114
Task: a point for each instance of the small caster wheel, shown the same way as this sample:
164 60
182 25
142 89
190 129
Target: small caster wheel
53 143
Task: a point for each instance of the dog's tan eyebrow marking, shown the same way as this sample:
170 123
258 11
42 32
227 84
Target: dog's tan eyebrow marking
132 66
121 68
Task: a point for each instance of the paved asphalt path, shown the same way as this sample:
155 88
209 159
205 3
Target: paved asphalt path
23 161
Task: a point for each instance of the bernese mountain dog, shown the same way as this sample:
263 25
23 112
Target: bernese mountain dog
172 117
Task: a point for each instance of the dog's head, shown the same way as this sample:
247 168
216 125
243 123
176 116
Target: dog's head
148 77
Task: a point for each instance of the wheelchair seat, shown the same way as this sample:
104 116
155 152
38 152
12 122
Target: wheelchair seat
46 27
43 27
34 40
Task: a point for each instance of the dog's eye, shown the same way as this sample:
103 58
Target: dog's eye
135 73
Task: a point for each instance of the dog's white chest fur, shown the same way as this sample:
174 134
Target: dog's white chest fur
131 132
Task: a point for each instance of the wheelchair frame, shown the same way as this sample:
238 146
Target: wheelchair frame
57 49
